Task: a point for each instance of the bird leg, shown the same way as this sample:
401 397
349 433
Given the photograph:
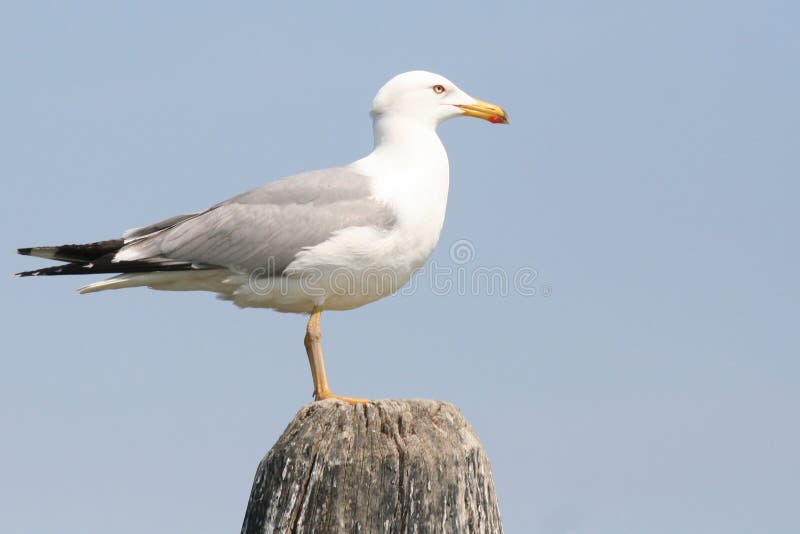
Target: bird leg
313 343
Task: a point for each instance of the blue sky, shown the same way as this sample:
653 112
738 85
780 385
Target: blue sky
649 178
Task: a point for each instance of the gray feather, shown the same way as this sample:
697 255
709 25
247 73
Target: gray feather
155 227
267 226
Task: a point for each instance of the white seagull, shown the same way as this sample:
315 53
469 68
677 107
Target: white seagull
331 239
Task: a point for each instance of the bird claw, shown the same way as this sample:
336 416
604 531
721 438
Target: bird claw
329 395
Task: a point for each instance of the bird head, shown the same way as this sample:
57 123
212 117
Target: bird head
432 98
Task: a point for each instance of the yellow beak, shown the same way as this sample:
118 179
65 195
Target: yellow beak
486 111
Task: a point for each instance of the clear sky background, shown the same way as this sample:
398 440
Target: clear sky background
649 177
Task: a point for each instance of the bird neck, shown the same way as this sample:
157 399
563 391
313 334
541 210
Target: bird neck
408 150
411 173
407 138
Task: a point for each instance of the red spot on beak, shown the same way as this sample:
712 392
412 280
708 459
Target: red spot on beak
495 119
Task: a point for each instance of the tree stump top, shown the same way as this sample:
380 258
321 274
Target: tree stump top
392 466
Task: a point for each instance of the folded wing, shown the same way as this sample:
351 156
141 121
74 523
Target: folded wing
263 228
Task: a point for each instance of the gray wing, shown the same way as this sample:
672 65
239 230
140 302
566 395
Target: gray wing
155 227
265 227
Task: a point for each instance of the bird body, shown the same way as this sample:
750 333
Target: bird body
402 187
332 239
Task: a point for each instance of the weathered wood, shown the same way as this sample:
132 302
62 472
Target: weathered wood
386 466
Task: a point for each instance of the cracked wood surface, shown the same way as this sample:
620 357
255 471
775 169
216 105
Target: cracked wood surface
392 466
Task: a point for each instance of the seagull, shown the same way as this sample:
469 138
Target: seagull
331 239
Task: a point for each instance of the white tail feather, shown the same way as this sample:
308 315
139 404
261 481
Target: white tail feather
115 282
204 280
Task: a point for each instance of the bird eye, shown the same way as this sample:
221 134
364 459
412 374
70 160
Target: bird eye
438 89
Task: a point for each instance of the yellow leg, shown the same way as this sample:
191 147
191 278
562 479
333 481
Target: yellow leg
313 342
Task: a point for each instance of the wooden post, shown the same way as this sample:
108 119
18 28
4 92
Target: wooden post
386 466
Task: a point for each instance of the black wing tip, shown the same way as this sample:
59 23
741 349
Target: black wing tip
25 274
25 252
82 253
58 269
106 266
